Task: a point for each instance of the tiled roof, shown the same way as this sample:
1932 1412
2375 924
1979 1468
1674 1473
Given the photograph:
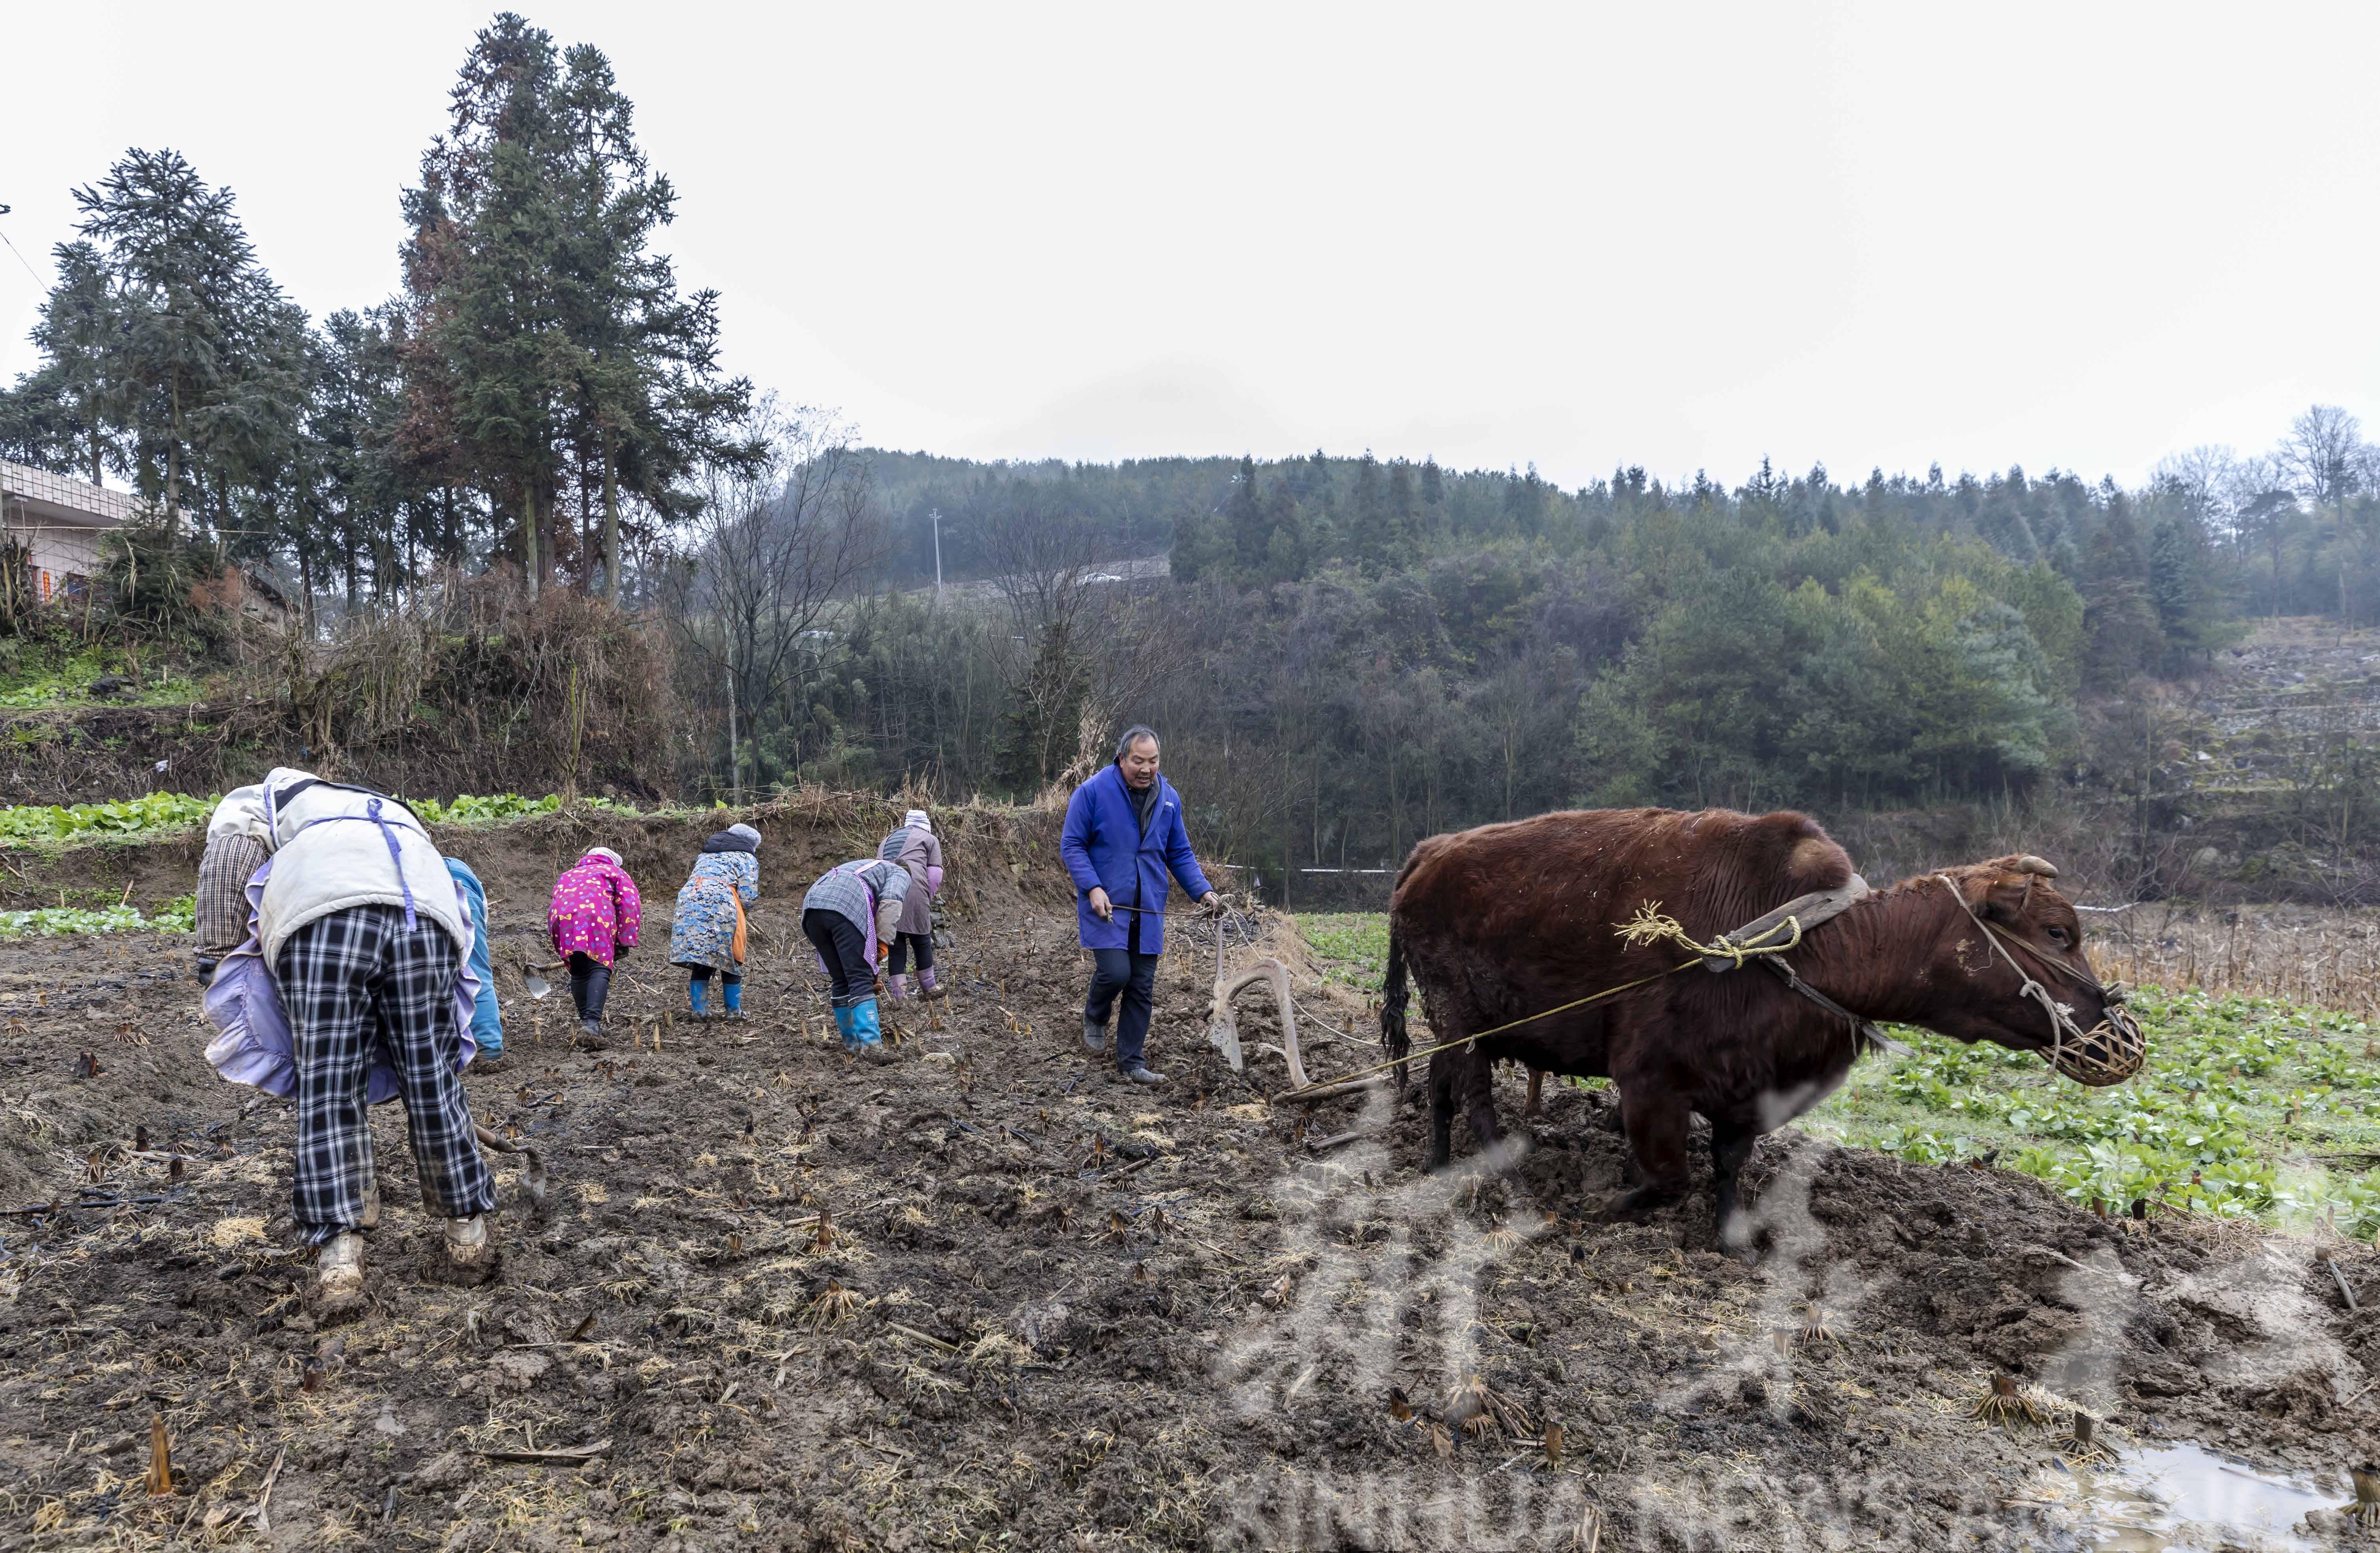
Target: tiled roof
94 505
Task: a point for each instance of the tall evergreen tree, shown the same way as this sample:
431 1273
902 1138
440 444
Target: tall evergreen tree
71 406
1368 523
200 340
651 401
485 336
2120 617
1244 518
553 353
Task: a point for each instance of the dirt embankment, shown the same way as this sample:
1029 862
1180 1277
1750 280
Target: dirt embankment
99 754
992 1298
1011 853
104 753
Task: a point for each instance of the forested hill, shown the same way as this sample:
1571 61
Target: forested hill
1351 653
1127 510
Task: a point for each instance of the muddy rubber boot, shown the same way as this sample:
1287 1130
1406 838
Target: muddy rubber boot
896 987
1140 1072
697 996
369 1217
1095 1036
929 987
339 1277
470 1250
868 1039
732 994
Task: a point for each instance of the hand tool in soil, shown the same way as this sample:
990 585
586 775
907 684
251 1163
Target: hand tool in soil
533 1181
537 986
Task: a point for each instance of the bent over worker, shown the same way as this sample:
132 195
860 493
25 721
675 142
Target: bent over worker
707 925
850 916
1123 836
366 933
593 919
238 842
919 851
487 1019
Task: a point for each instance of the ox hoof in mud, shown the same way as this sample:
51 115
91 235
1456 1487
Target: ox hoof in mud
1637 1202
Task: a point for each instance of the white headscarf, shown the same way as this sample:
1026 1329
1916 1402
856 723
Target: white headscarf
604 852
915 820
241 813
746 832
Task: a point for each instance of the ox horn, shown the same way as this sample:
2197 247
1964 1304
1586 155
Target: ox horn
2029 864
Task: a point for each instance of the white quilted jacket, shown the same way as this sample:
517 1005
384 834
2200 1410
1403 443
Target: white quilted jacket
322 867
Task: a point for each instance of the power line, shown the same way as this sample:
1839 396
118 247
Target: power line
20 258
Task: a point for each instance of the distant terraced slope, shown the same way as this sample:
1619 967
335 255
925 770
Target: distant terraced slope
2272 763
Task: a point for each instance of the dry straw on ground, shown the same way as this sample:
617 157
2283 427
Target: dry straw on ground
2326 957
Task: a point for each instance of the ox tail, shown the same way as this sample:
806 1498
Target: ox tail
1394 1038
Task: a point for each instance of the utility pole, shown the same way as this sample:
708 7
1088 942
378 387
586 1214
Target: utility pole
938 557
734 770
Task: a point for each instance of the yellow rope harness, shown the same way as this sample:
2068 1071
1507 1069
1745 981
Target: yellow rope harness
1647 927
1650 926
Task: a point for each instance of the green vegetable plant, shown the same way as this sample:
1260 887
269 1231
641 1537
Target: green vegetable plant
2243 1105
177 916
51 822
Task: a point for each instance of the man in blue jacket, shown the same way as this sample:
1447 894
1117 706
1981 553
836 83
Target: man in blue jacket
1124 835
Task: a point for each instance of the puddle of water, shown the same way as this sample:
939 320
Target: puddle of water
2183 1500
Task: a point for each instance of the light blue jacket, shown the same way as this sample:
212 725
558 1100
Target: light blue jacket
487 1022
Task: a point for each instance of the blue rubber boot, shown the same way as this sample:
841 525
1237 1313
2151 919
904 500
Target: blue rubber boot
697 993
733 992
843 1028
866 1040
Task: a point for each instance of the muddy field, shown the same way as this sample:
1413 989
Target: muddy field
991 1298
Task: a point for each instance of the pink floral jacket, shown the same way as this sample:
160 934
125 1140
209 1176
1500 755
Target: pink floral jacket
595 911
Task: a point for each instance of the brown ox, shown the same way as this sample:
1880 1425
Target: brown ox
1507 921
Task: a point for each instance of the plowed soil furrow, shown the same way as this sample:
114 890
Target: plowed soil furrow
991 1298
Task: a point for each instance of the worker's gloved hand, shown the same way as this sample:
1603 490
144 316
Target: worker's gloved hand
203 968
1101 907
1211 902
884 952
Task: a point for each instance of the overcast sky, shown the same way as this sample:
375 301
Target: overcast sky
1579 236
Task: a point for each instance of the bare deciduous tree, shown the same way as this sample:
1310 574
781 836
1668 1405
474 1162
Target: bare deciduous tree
2323 452
785 530
1083 645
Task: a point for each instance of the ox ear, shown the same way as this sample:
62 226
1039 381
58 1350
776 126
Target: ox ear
1995 892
